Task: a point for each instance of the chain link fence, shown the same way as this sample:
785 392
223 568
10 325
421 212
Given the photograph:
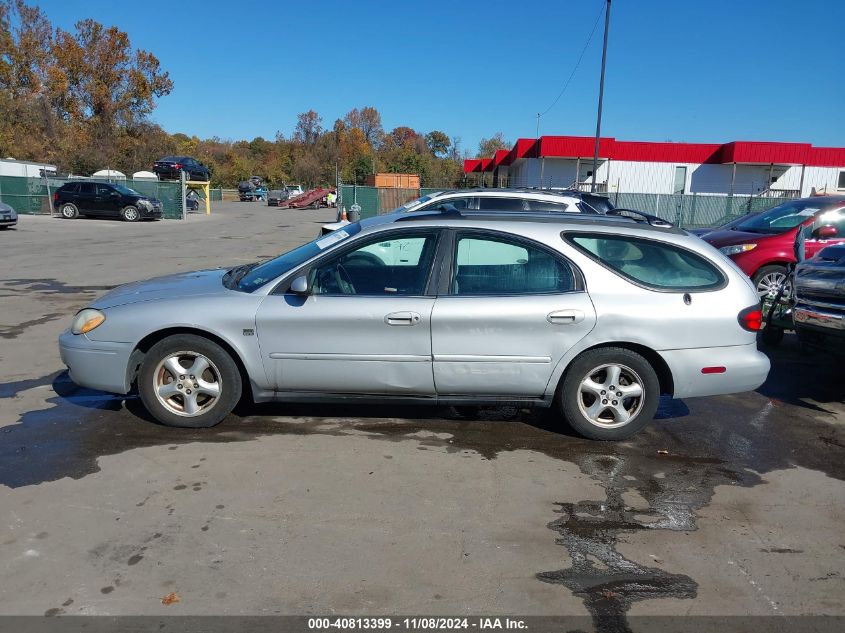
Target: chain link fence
684 210
34 195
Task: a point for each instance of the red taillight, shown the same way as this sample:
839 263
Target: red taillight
713 370
178 166
55 196
751 319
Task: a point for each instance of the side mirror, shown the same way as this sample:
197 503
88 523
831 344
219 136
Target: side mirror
299 286
825 232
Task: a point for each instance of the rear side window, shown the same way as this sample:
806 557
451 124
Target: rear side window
487 265
543 205
650 263
87 187
499 204
71 188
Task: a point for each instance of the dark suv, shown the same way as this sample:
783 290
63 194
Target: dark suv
170 168
104 200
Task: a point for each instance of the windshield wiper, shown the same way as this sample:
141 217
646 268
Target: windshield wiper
232 278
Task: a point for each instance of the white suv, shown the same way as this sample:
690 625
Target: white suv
536 200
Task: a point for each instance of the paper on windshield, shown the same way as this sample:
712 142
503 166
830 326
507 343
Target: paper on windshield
332 238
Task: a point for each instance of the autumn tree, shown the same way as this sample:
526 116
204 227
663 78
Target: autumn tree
438 142
309 126
487 146
368 120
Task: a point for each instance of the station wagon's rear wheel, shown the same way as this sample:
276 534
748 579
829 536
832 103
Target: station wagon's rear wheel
609 393
189 381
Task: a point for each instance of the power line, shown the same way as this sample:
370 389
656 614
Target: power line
578 63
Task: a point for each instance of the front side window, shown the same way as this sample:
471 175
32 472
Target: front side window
396 265
650 263
487 265
103 190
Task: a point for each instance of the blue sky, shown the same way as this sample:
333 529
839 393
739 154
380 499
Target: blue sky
681 70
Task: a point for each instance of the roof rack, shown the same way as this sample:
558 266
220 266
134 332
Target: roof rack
447 210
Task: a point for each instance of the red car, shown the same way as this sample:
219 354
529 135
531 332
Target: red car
762 244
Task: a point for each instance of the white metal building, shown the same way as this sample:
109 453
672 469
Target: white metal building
740 167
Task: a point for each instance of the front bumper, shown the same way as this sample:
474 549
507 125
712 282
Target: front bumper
96 364
746 368
820 328
4 221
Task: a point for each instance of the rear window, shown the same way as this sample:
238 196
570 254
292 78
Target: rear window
649 263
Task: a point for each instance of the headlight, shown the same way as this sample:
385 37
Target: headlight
737 249
86 320
145 203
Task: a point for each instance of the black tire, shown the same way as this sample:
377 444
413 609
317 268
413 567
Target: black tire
766 273
130 213
222 369
69 211
772 335
573 404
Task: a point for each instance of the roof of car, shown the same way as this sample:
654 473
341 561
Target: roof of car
517 192
635 220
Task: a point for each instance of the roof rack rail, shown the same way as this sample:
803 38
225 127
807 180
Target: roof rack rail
640 216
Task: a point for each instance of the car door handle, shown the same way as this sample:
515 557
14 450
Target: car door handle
402 318
564 317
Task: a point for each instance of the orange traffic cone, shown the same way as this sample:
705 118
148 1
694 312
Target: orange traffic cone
343 215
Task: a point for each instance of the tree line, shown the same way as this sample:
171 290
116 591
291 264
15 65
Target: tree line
82 99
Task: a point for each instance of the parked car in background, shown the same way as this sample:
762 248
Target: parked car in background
105 200
512 199
172 167
192 201
294 190
8 216
722 227
762 244
819 312
592 315
276 197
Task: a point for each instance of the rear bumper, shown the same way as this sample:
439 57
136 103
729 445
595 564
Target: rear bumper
96 364
746 368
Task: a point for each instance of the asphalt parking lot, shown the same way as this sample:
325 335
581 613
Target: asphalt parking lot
725 505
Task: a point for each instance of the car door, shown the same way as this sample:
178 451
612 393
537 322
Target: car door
363 327
86 197
815 242
510 310
106 201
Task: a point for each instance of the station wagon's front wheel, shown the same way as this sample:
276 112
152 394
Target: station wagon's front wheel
609 393
189 381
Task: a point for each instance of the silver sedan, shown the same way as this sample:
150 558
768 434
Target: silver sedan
8 216
593 317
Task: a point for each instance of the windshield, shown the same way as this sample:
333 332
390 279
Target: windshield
781 218
126 191
249 277
413 204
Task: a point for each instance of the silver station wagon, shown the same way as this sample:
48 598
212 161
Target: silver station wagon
595 316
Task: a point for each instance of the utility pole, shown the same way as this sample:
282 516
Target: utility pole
538 125
601 95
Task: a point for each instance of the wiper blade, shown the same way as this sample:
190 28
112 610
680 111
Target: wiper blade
241 272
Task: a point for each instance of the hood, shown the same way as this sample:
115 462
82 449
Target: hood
203 282
823 276
719 238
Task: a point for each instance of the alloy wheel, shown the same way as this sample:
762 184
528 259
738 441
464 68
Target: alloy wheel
769 284
610 395
187 383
